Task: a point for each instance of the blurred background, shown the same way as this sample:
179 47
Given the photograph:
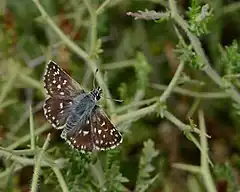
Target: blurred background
137 59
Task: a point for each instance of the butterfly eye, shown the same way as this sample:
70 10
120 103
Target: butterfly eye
98 97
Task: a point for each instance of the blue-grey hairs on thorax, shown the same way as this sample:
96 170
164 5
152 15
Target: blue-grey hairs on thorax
81 109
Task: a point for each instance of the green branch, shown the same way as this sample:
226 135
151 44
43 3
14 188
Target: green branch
36 172
60 179
102 7
208 180
173 82
202 95
93 30
26 138
31 124
200 52
76 49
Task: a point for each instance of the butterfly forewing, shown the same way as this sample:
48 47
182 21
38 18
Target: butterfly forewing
56 111
105 135
61 89
58 83
82 138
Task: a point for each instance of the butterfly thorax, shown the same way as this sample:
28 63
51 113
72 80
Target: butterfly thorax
82 107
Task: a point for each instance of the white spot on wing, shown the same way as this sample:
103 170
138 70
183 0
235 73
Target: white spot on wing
85 133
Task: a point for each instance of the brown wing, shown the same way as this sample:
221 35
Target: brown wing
58 83
104 134
81 139
56 111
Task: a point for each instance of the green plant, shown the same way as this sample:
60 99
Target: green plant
86 35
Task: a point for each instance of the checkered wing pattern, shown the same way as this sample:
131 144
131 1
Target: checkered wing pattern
105 135
80 138
61 89
56 111
58 83
94 130
96 133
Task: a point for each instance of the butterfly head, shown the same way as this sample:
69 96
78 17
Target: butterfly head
96 93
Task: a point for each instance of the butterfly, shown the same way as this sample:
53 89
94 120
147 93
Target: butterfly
85 126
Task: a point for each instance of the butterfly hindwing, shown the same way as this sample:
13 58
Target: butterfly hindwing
105 135
56 111
96 133
80 138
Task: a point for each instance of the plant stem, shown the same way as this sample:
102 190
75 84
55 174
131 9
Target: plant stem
118 65
26 138
173 82
80 52
23 152
36 172
7 87
93 30
136 104
181 125
19 159
186 167
32 82
233 7
25 117
200 52
31 128
137 114
195 141
97 172
7 103
102 7
60 179
208 180
202 95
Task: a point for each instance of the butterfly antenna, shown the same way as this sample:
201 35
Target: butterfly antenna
117 100
94 78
